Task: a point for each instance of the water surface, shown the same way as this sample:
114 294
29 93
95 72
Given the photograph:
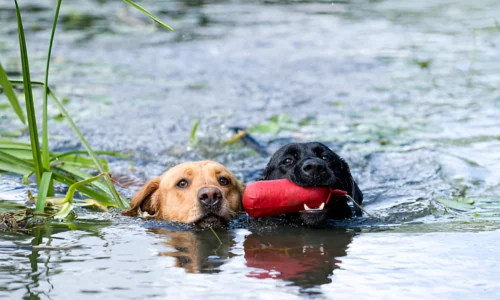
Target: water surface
406 92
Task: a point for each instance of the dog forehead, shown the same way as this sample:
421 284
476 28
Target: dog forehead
317 149
300 149
212 167
197 168
290 149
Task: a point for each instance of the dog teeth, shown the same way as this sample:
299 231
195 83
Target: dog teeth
319 208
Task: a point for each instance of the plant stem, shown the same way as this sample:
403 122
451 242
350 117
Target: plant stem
45 127
30 109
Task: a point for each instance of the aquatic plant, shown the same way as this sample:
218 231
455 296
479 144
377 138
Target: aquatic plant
29 159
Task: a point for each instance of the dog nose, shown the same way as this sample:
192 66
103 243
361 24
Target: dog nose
313 167
209 196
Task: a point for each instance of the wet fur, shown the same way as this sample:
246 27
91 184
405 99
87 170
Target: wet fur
337 175
164 200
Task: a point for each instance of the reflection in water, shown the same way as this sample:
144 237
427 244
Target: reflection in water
17 244
197 251
32 257
306 257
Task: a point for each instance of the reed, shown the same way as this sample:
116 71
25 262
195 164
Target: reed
28 159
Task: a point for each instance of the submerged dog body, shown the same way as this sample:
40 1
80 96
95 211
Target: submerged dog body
203 193
314 164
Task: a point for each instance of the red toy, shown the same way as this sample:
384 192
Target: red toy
269 198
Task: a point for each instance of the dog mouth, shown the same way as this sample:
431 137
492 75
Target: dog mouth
314 217
211 220
307 208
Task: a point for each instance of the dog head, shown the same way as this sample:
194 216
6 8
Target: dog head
314 164
203 193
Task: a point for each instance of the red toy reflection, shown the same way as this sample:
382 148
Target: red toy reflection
306 257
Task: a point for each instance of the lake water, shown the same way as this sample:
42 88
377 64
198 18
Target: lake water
407 92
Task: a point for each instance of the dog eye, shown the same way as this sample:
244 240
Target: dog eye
287 161
183 184
326 158
223 181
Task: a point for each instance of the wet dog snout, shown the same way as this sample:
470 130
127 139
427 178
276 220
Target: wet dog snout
312 167
210 197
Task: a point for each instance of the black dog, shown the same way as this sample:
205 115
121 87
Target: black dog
314 164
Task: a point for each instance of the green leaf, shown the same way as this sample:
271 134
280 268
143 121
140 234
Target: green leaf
19 153
120 201
65 210
274 124
13 168
266 128
45 119
461 205
103 198
215 233
109 153
138 7
192 136
281 118
82 175
43 189
7 144
9 92
6 157
81 161
30 107
63 213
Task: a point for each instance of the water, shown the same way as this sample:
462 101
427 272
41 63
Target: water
406 92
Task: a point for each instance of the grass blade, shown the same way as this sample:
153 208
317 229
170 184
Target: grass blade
71 192
45 120
78 174
13 168
215 233
43 189
24 154
30 109
9 92
141 9
192 136
14 145
103 198
20 82
65 210
6 157
119 200
109 153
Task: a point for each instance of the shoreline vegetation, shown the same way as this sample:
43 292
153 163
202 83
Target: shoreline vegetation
75 169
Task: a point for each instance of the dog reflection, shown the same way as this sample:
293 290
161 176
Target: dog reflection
306 257
197 251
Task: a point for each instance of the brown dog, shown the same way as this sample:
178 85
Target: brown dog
203 193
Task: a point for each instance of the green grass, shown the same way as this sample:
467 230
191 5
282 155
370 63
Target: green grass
45 126
141 9
28 93
43 190
71 168
11 95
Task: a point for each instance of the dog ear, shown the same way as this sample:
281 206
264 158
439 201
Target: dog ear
352 187
145 199
266 173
